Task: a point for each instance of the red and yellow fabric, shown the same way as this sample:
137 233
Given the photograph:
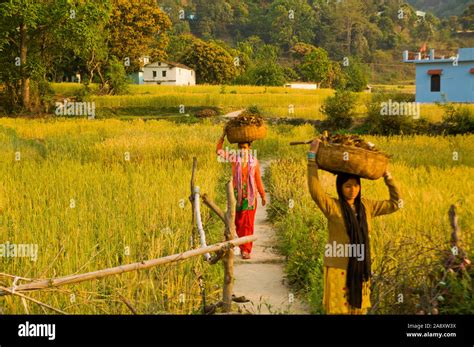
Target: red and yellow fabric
245 214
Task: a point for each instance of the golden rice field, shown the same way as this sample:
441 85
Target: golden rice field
273 101
75 195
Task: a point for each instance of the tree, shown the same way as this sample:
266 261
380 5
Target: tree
349 15
301 50
264 70
337 79
267 74
213 17
18 22
291 21
315 66
116 78
213 64
467 19
356 75
179 45
36 35
137 28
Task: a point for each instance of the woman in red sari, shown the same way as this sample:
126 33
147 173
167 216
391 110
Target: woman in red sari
247 181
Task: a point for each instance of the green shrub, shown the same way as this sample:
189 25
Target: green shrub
206 113
116 77
387 124
457 119
254 109
339 109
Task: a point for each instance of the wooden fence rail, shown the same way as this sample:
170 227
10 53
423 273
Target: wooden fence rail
56 282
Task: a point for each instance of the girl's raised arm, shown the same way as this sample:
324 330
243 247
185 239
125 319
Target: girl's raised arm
221 152
325 202
379 208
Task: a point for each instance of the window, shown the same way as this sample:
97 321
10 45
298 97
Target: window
435 83
154 74
163 73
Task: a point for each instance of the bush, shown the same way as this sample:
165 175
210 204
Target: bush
457 120
254 110
380 124
268 74
356 75
339 109
206 113
116 77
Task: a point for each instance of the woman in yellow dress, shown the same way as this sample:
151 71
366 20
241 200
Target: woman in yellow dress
347 259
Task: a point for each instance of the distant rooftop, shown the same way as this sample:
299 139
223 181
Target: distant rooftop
170 63
464 54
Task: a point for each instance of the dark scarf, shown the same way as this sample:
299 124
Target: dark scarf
357 229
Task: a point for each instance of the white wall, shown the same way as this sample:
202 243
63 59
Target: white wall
174 76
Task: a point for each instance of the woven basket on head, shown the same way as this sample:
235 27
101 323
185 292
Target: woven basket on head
247 133
352 160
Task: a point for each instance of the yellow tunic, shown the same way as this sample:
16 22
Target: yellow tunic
336 294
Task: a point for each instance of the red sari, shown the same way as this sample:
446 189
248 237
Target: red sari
246 208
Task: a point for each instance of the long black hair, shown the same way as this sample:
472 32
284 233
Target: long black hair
357 230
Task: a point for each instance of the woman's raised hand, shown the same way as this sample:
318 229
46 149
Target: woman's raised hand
223 135
315 145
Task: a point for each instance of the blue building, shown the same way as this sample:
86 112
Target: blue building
441 78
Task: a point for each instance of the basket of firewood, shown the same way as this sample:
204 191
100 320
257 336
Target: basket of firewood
350 154
247 127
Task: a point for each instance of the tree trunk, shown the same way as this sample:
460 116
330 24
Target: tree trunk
349 36
25 80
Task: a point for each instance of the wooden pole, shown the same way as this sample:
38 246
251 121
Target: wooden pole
202 235
9 291
209 203
228 259
56 282
453 219
191 198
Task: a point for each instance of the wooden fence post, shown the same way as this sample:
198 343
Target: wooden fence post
228 259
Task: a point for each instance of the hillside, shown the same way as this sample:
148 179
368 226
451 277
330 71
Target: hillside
442 8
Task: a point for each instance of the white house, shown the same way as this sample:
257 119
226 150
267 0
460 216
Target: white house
421 14
302 85
169 73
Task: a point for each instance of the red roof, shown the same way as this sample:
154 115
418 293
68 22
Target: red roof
435 72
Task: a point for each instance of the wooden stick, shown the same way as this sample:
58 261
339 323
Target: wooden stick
191 198
453 219
9 291
202 234
230 213
295 143
228 259
56 282
127 303
209 203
